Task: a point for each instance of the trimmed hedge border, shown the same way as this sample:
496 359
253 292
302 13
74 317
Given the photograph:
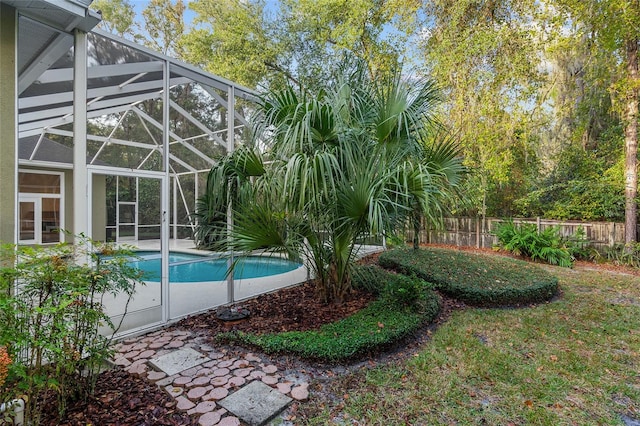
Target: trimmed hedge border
382 323
475 279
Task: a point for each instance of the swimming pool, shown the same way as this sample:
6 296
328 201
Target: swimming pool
197 283
189 268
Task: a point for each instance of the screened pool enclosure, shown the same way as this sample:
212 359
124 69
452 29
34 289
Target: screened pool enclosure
113 141
140 106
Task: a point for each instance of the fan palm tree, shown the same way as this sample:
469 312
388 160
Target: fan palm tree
354 160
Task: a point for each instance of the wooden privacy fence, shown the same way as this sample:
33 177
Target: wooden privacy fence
474 232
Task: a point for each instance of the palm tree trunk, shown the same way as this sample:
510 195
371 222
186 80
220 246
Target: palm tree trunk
631 144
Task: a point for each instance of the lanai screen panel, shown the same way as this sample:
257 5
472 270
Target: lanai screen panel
45 89
198 133
124 103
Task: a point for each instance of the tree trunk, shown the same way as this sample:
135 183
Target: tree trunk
416 229
631 143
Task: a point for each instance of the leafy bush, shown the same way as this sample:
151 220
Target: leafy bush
404 291
622 254
395 288
51 314
525 240
475 279
370 278
383 322
579 246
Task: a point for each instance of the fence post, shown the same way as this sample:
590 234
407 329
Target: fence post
477 232
612 234
538 224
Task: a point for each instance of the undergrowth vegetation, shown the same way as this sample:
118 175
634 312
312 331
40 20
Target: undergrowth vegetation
475 279
547 245
624 254
404 304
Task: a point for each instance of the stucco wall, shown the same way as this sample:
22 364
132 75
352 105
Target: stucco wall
7 122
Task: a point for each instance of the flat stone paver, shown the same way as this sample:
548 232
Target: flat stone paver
270 380
300 393
236 382
205 407
196 393
184 403
217 394
284 388
179 360
256 403
229 421
209 419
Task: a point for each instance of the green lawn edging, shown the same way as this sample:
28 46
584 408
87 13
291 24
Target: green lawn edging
475 279
385 321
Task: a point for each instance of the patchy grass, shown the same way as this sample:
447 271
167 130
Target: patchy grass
573 361
476 279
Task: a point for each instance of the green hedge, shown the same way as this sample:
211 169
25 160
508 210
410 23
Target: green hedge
475 279
373 328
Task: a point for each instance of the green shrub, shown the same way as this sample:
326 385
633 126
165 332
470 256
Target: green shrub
395 288
525 240
51 314
579 246
404 291
369 330
370 278
475 279
622 254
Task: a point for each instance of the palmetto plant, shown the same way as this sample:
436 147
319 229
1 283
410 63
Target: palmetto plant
358 158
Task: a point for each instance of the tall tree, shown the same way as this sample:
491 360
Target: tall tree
486 57
614 26
236 40
164 22
118 17
372 30
298 41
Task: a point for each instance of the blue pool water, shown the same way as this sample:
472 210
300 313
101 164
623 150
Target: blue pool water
186 268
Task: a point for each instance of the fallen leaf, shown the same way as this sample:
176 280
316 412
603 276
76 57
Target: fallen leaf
528 403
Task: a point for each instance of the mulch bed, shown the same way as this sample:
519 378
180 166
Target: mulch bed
291 309
120 399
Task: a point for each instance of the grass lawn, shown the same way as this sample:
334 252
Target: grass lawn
573 361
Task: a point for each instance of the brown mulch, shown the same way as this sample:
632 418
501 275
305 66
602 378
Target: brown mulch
291 309
122 399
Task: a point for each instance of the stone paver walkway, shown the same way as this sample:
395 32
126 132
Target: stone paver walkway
197 390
